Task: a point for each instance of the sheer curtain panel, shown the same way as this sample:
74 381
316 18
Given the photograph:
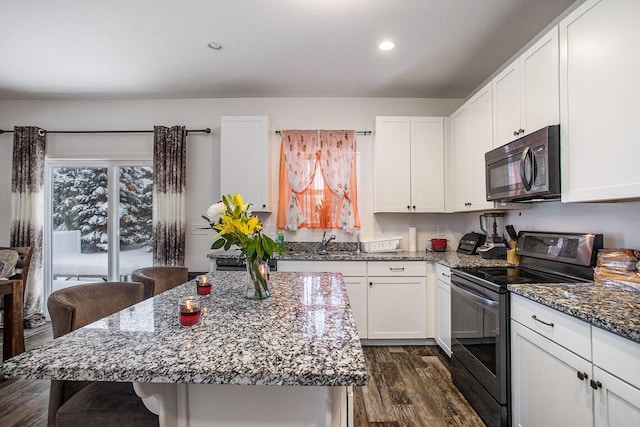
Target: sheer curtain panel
27 212
169 172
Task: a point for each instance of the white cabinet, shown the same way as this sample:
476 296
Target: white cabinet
244 159
617 380
567 372
546 389
354 274
409 164
397 300
599 91
526 94
443 308
471 138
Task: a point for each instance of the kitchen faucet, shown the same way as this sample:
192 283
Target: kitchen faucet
325 242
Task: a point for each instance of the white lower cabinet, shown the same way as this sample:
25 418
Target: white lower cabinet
545 387
443 308
397 300
355 280
566 372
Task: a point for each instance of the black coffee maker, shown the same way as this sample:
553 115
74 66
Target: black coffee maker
495 246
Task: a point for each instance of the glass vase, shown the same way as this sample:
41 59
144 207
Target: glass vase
257 280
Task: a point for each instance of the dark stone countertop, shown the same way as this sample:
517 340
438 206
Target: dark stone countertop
613 308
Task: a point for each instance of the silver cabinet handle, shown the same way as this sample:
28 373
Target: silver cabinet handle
582 376
445 275
396 269
534 317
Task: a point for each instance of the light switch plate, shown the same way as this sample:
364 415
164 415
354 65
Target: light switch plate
200 229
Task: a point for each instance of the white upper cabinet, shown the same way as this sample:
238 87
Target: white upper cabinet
599 92
244 161
471 138
409 164
526 94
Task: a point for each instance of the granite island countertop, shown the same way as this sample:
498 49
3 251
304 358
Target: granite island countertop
304 334
613 308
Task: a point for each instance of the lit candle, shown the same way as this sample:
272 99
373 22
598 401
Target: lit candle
189 311
203 285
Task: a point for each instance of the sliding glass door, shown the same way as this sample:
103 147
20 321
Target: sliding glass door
98 222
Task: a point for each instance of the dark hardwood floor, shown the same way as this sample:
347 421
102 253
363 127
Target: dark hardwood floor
409 386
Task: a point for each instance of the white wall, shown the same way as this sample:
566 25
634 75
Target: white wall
203 153
619 222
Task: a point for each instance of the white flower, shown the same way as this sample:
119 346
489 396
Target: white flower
215 212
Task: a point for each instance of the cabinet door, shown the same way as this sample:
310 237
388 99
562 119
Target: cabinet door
443 317
460 160
244 148
599 91
540 95
427 164
392 164
506 105
397 307
616 403
481 141
357 292
546 388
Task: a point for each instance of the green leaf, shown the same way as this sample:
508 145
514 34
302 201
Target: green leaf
227 245
218 244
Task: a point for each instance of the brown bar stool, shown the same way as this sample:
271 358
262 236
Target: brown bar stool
76 403
160 278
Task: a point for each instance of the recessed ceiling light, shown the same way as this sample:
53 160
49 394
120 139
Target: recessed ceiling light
215 45
386 45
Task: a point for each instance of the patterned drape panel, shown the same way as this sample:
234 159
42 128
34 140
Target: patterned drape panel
337 153
300 149
27 212
169 172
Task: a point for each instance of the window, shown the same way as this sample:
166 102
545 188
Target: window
318 180
90 205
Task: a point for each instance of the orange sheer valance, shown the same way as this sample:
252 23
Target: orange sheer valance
318 180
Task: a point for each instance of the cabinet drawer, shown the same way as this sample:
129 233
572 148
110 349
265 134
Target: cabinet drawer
617 355
569 332
397 268
443 273
347 268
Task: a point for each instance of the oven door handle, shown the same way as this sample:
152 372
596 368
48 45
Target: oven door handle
473 296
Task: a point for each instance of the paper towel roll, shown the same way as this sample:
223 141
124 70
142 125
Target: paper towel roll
413 239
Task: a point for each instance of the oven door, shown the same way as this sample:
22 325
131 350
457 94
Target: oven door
479 334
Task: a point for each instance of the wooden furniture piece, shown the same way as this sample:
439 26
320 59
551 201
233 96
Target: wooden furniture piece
22 267
159 279
94 403
13 331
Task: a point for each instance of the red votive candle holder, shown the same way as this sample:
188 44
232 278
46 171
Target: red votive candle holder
189 311
203 285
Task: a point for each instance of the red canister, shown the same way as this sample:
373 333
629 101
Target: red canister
438 245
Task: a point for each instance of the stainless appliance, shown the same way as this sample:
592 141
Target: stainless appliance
470 242
480 312
495 246
235 264
526 169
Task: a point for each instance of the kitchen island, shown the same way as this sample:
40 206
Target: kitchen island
287 360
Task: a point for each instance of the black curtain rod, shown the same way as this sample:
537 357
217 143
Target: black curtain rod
43 132
358 132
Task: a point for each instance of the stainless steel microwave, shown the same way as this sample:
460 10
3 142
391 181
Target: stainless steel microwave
526 169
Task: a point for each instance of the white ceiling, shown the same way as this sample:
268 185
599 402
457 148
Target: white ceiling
79 49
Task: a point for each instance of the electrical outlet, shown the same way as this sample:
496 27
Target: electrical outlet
440 230
200 229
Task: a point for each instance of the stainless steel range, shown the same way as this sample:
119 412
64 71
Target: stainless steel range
480 312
